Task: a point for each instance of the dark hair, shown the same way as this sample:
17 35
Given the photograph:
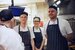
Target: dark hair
52 6
37 17
6 15
24 13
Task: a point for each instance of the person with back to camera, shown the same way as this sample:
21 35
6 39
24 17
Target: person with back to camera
9 39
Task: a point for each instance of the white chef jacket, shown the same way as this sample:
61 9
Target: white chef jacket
16 28
10 39
64 26
38 30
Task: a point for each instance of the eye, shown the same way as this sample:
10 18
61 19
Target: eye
49 11
36 21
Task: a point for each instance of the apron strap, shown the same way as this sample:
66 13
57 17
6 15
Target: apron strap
57 22
19 29
49 22
39 29
29 31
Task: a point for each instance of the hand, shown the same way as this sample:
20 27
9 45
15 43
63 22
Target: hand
38 49
1 47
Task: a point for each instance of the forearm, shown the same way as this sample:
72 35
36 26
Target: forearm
2 47
42 44
32 43
69 37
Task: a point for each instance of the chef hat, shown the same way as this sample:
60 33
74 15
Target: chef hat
6 15
36 19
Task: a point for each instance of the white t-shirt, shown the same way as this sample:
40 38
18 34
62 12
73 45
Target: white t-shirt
38 30
16 28
64 26
10 39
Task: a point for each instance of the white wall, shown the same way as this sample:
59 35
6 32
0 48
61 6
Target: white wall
42 10
37 9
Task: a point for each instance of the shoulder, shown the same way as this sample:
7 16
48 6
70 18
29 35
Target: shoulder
31 29
16 27
32 33
41 28
63 21
11 31
13 34
3 29
8 31
46 23
28 27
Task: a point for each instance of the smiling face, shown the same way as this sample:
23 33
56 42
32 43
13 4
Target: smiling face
36 22
23 18
52 13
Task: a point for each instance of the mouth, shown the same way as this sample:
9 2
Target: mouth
51 15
